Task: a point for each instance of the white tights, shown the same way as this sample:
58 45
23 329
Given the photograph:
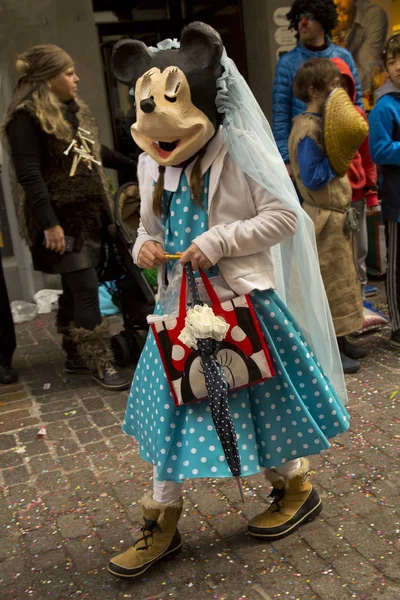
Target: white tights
171 491
166 491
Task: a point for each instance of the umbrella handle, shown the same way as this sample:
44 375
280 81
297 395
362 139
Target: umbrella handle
194 290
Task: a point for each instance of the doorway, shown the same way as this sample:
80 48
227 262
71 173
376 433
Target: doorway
152 21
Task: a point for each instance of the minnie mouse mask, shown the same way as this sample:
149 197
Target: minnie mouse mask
175 92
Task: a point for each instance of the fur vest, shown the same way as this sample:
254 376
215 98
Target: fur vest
78 201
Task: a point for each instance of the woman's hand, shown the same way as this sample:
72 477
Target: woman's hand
151 255
195 256
55 239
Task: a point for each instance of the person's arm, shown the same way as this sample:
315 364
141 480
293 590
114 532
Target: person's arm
154 231
142 237
26 146
384 150
282 109
148 252
112 159
350 61
371 189
369 53
273 223
315 169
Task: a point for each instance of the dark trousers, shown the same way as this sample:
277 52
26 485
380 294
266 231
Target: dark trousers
80 300
7 331
392 230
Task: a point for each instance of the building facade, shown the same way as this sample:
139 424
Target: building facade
254 32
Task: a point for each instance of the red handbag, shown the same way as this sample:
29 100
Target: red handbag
243 353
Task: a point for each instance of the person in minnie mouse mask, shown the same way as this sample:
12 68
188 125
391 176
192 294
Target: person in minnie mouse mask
214 188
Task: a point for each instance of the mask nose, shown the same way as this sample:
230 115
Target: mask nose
147 105
304 21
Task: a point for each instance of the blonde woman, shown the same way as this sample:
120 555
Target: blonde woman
61 199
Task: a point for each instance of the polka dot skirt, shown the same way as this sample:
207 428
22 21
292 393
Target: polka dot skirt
289 416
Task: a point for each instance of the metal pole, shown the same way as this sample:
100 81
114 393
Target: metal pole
21 250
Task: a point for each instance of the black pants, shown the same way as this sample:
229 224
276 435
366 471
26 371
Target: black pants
392 230
80 300
7 331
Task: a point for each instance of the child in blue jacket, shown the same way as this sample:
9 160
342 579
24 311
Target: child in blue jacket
385 151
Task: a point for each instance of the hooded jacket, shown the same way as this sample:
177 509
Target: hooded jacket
285 105
384 139
362 172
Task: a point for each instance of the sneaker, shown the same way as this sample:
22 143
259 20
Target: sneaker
8 374
395 339
76 366
370 290
350 366
110 378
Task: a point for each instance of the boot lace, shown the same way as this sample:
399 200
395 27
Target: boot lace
110 370
147 529
277 499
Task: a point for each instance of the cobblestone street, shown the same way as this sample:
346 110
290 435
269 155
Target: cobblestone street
70 499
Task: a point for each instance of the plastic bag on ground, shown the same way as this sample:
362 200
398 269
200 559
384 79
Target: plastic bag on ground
47 300
23 311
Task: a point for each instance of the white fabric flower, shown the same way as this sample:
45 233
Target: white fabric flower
201 323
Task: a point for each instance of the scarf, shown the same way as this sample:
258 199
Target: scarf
36 65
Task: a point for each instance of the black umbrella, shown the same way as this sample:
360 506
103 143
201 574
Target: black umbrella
217 389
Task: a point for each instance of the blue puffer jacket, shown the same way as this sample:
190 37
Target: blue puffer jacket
285 105
384 142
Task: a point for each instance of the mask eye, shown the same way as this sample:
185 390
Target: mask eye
145 87
172 86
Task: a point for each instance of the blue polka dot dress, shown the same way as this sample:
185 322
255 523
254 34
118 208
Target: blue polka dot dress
289 416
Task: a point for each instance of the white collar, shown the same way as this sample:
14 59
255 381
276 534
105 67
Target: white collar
173 174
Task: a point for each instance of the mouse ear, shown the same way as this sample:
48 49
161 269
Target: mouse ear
129 60
202 44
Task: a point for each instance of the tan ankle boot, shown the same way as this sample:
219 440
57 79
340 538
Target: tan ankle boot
295 502
160 538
